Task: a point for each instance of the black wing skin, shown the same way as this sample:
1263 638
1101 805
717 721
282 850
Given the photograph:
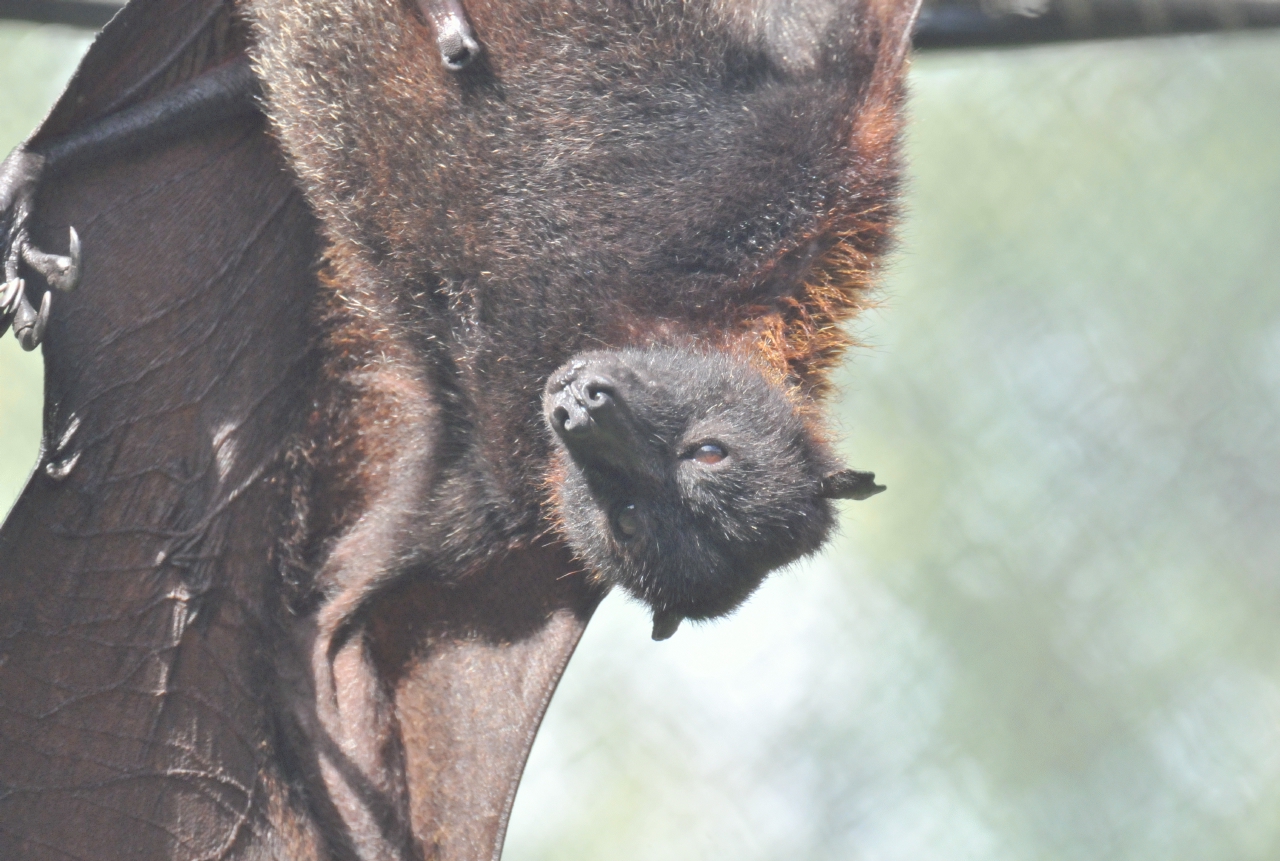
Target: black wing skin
134 570
151 701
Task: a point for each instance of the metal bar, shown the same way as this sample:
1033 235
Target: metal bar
981 23
943 23
74 13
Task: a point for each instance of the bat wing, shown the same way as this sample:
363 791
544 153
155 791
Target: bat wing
145 677
134 568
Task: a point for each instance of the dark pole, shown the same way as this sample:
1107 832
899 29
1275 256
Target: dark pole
74 13
980 23
943 23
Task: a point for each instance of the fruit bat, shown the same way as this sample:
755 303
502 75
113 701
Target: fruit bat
381 339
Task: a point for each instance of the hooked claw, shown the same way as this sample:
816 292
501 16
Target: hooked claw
10 296
63 273
28 323
20 173
9 293
454 37
60 272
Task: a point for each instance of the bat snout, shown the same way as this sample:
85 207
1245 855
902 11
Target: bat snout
582 406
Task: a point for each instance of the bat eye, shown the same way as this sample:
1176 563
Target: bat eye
627 520
708 453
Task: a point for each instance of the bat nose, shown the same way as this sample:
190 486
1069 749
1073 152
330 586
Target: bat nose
581 403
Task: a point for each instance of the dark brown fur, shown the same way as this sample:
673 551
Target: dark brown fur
605 175
608 174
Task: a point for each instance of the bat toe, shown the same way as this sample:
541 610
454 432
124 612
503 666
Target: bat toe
20 174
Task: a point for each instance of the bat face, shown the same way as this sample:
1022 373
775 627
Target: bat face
682 477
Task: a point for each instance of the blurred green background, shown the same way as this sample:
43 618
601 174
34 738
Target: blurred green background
1056 636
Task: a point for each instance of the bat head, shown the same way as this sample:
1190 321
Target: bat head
685 478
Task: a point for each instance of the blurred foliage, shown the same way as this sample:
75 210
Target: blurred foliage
35 63
1054 637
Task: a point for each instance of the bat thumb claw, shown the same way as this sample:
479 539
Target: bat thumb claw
60 272
457 43
9 293
29 324
457 46
74 269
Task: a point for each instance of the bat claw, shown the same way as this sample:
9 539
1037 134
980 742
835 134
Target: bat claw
454 37
10 296
9 293
20 173
73 253
62 273
28 323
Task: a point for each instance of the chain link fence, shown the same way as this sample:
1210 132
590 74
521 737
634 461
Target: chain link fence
1055 636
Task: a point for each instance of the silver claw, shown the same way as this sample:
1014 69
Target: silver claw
60 469
11 259
10 301
29 324
9 296
73 251
457 46
60 272
454 37
68 434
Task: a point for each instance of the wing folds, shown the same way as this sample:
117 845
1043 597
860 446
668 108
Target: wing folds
135 582
148 689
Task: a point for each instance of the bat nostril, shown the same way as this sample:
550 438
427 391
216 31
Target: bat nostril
598 394
569 416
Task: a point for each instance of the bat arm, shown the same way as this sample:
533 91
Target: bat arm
204 102
222 94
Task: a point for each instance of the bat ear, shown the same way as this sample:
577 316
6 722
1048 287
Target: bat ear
850 484
665 624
